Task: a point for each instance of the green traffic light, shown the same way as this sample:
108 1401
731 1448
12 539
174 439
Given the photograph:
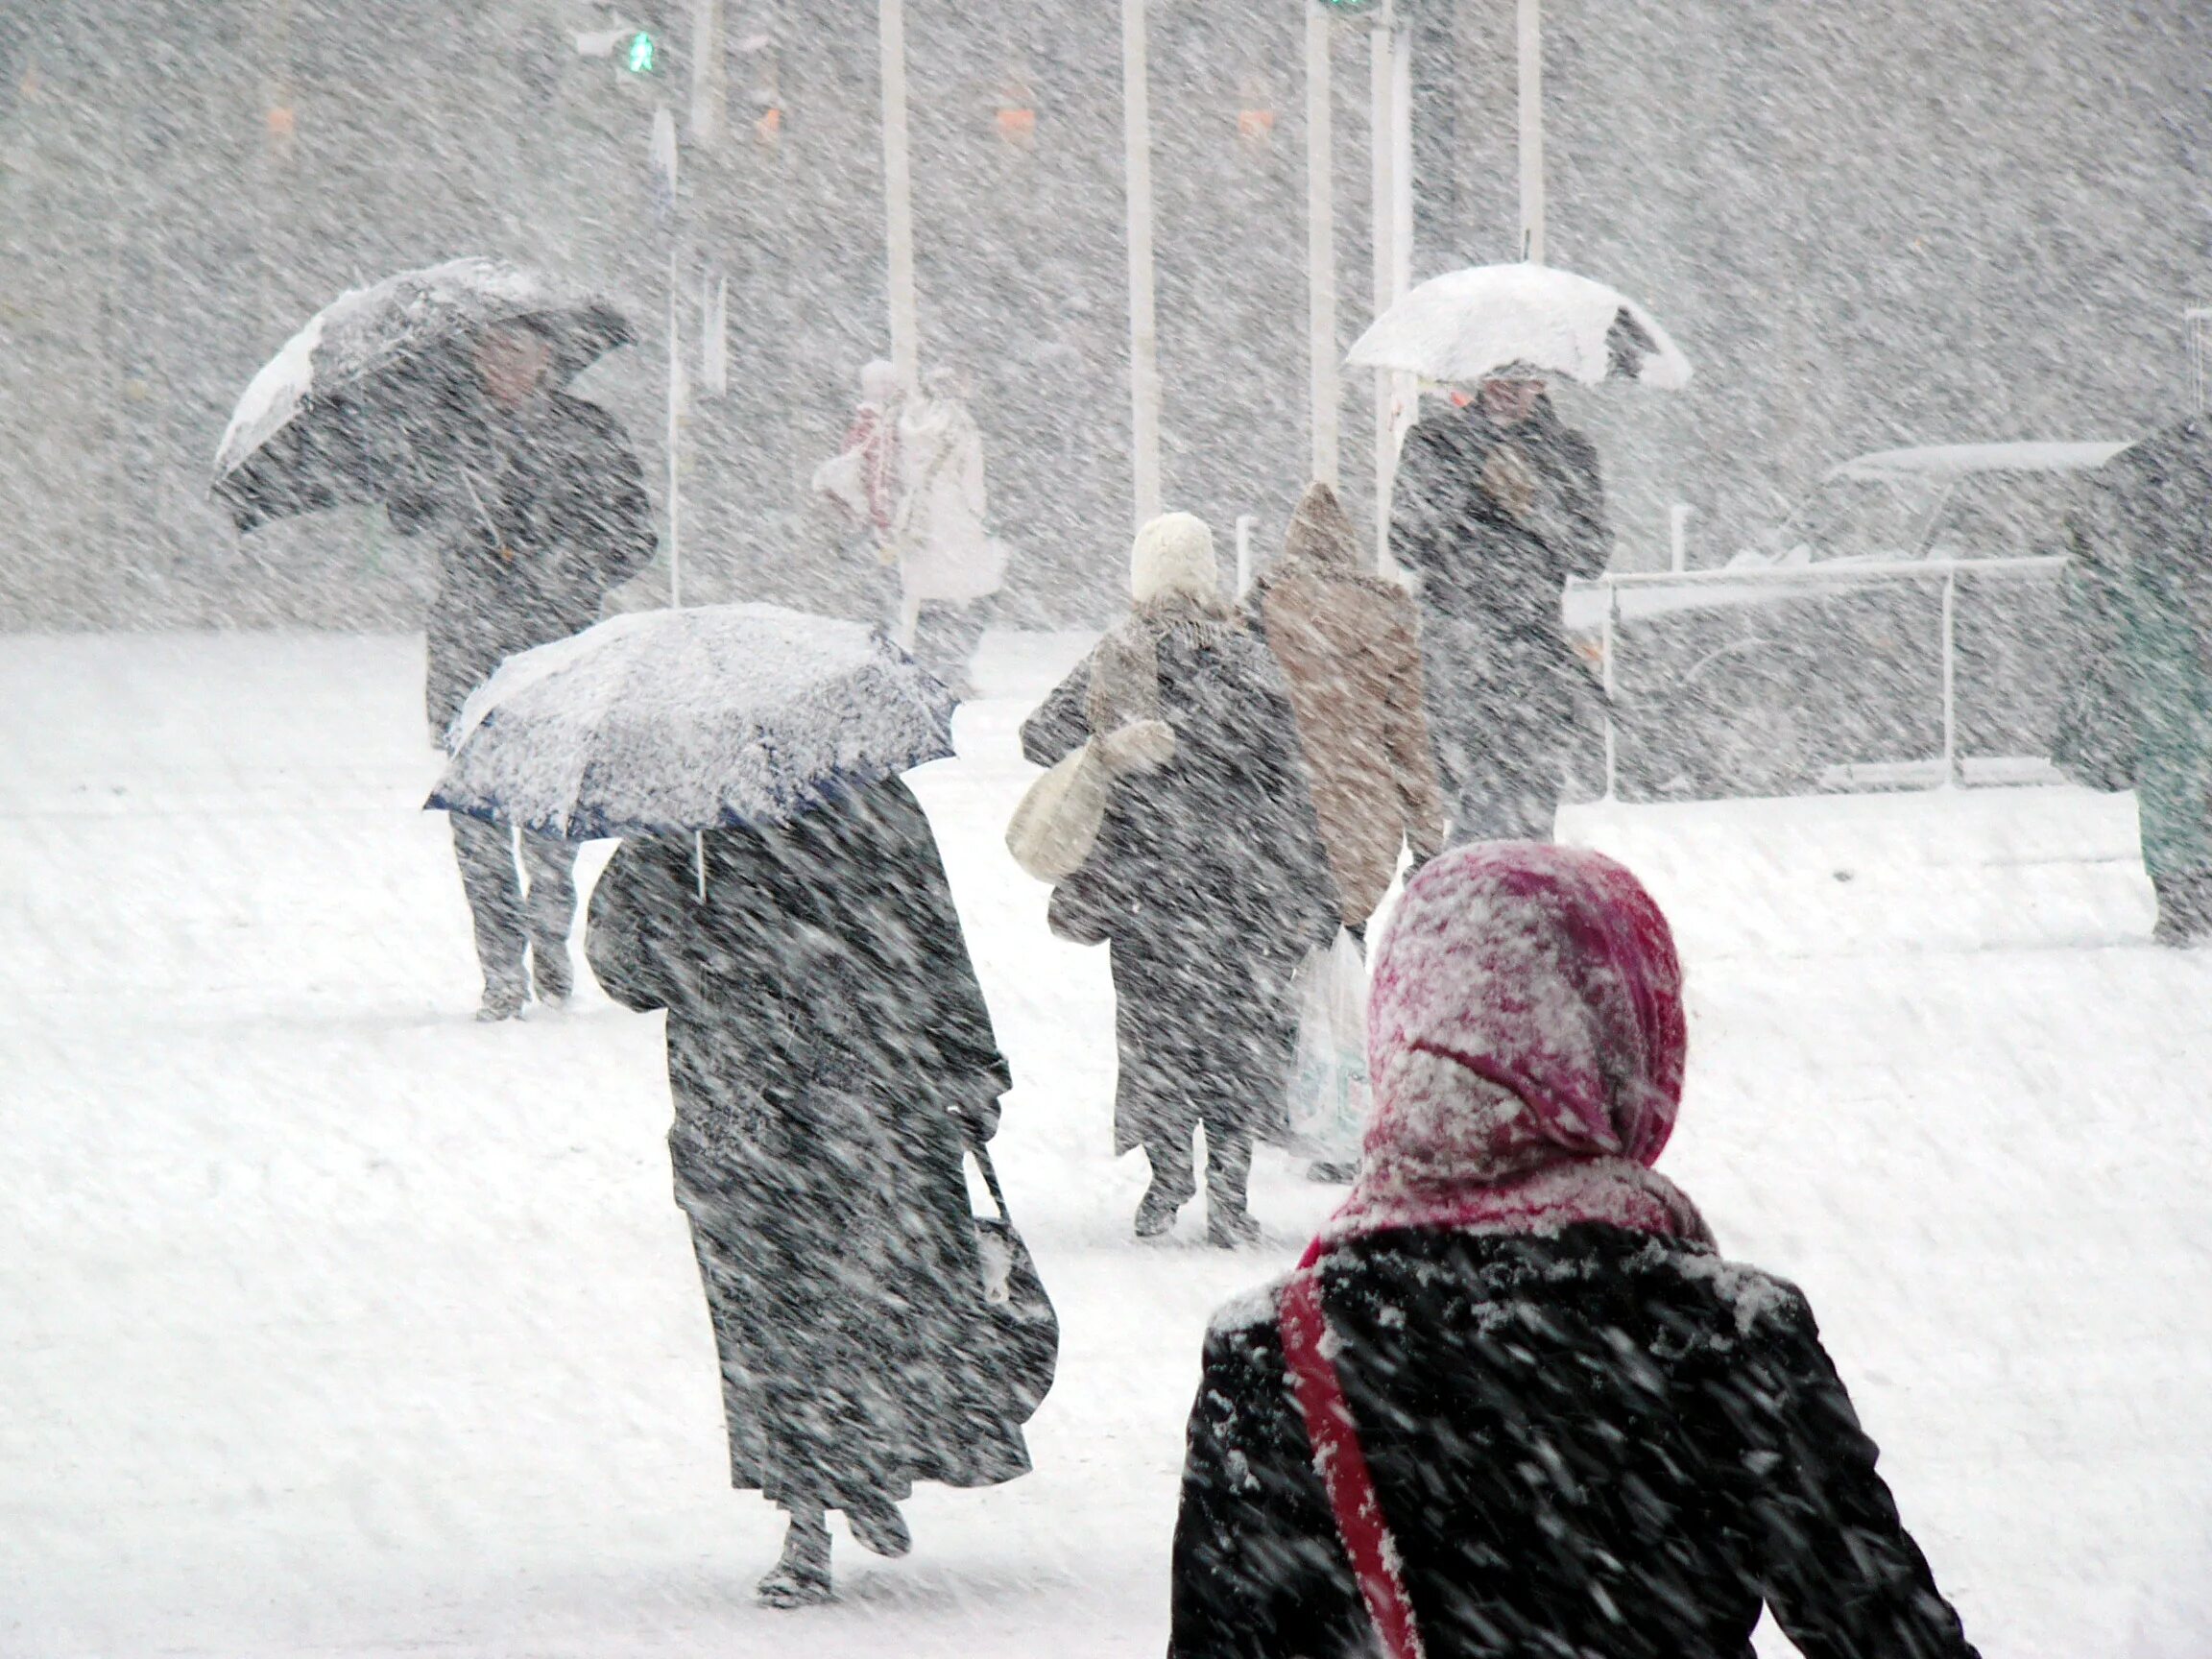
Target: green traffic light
643 56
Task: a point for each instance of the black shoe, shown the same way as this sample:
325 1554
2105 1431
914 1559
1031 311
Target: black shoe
802 1577
878 1525
503 999
550 973
1233 1229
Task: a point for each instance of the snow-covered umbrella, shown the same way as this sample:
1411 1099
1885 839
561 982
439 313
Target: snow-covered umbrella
661 722
1466 325
331 418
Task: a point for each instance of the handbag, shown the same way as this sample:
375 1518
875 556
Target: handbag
1055 828
1342 1463
1022 1348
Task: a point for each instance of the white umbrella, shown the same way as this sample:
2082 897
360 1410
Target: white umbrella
1467 324
663 722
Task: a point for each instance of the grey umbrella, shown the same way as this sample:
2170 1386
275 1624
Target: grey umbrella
330 418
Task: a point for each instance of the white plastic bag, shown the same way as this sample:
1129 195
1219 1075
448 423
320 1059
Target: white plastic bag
1329 1091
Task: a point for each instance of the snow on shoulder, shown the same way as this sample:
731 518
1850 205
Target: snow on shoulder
1249 1310
1755 1294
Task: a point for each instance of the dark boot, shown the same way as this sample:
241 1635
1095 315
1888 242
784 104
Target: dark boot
504 995
802 1577
2184 908
1172 1185
550 974
1229 1225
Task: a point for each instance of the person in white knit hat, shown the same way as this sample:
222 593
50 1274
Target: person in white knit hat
1208 880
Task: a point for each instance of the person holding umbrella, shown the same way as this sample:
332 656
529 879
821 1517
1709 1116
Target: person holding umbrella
539 505
438 392
780 894
1497 503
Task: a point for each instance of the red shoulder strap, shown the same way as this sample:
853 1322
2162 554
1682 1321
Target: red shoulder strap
1343 1466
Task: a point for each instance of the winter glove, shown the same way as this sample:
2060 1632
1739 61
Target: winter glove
977 1118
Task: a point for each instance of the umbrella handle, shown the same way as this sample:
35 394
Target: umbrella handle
699 860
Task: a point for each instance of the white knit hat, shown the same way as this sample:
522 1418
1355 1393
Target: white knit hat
1174 554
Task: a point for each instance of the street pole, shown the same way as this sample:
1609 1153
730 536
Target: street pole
707 93
675 442
1144 333
1321 247
899 197
1532 130
1390 146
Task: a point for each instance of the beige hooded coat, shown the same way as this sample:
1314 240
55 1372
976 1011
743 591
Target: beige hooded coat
1348 643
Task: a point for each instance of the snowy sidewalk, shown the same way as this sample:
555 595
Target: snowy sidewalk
331 1322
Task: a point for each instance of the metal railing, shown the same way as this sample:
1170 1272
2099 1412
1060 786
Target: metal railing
1836 574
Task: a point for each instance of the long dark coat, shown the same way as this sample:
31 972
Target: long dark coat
824 1025
538 513
1505 694
1211 883
2139 592
1589 1443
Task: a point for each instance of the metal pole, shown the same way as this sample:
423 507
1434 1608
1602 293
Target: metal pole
1383 154
675 438
1143 332
1321 247
1608 642
1679 534
1950 679
706 70
899 197
1531 33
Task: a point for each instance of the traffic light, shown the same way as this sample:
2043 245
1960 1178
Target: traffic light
642 53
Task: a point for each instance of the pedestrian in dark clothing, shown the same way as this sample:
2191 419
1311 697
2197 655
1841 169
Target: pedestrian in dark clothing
1208 880
1496 505
827 1050
539 507
1549 1419
2140 596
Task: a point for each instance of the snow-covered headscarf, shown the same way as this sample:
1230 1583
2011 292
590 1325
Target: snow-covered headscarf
1525 1041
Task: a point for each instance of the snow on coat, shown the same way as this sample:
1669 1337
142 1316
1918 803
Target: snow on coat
536 513
1587 1432
1349 644
824 1028
946 553
1493 520
1209 878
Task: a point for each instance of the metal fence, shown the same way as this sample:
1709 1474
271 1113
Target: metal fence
1940 771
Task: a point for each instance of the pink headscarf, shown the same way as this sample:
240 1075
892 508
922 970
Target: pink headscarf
1526 1041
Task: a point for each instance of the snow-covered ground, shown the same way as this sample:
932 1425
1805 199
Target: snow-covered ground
331 1322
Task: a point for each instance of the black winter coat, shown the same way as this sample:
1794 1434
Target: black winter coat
1211 881
826 1032
538 513
1479 562
1593 1445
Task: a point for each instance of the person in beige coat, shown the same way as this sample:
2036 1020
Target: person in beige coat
1348 643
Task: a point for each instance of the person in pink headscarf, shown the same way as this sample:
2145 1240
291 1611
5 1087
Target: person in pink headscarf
1514 1402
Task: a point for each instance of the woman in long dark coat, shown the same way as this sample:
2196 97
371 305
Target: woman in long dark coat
1556 1421
827 1050
1210 879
